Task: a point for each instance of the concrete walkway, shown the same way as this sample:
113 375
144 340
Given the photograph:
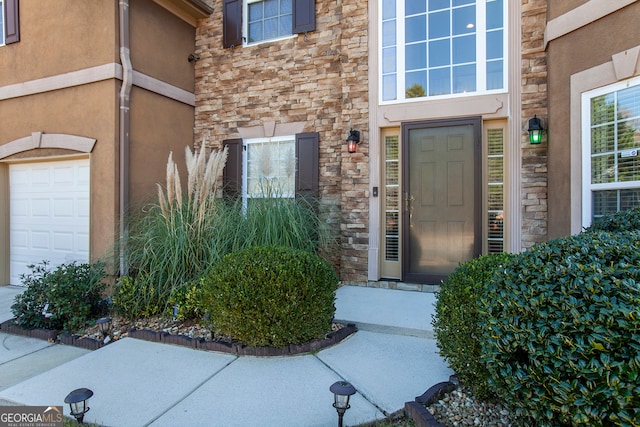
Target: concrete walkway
390 360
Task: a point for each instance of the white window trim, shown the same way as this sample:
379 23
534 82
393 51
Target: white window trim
4 23
587 187
480 56
245 27
245 164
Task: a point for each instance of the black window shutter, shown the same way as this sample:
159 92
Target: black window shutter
232 172
232 23
307 152
12 21
304 16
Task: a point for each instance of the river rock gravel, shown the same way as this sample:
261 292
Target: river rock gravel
460 408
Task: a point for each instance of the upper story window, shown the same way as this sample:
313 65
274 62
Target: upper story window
255 21
9 21
268 19
610 150
441 47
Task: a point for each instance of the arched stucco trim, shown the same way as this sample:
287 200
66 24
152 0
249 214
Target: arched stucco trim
47 140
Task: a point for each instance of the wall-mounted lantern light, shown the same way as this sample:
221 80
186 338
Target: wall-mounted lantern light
535 130
77 401
353 140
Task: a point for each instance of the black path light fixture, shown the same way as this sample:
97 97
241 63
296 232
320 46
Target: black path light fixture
353 140
104 324
77 401
342 391
535 130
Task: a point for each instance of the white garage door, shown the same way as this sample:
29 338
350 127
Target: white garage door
49 214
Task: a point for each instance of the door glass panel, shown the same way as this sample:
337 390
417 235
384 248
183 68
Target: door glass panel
440 199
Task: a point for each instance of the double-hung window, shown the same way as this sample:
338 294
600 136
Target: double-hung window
268 19
441 47
610 150
255 21
9 22
279 166
269 168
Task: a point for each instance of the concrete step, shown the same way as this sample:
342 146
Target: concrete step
386 310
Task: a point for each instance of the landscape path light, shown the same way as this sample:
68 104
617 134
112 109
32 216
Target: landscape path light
104 324
77 401
342 391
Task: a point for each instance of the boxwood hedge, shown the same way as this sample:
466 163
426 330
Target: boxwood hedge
561 331
271 296
456 320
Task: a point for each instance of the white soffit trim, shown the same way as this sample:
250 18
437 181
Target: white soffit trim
582 15
93 75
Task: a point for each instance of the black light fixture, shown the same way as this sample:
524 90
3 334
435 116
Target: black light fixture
77 401
104 324
535 130
353 140
342 391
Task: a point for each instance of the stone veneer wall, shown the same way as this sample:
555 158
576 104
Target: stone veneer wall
534 101
321 80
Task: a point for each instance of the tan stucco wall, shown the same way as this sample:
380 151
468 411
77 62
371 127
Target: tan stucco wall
157 52
158 126
560 7
51 46
570 54
88 111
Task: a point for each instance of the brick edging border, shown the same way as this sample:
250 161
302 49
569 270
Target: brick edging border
417 410
182 340
49 335
240 349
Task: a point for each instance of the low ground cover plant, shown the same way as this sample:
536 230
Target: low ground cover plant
456 320
561 331
271 296
65 298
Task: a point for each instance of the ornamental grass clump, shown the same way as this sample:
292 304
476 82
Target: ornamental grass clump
174 240
271 296
456 320
561 331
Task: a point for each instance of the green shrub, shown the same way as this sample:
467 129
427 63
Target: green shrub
561 332
456 320
186 301
620 221
271 296
181 237
136 298
66 298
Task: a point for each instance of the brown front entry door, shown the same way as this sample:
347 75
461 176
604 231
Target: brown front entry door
441 205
